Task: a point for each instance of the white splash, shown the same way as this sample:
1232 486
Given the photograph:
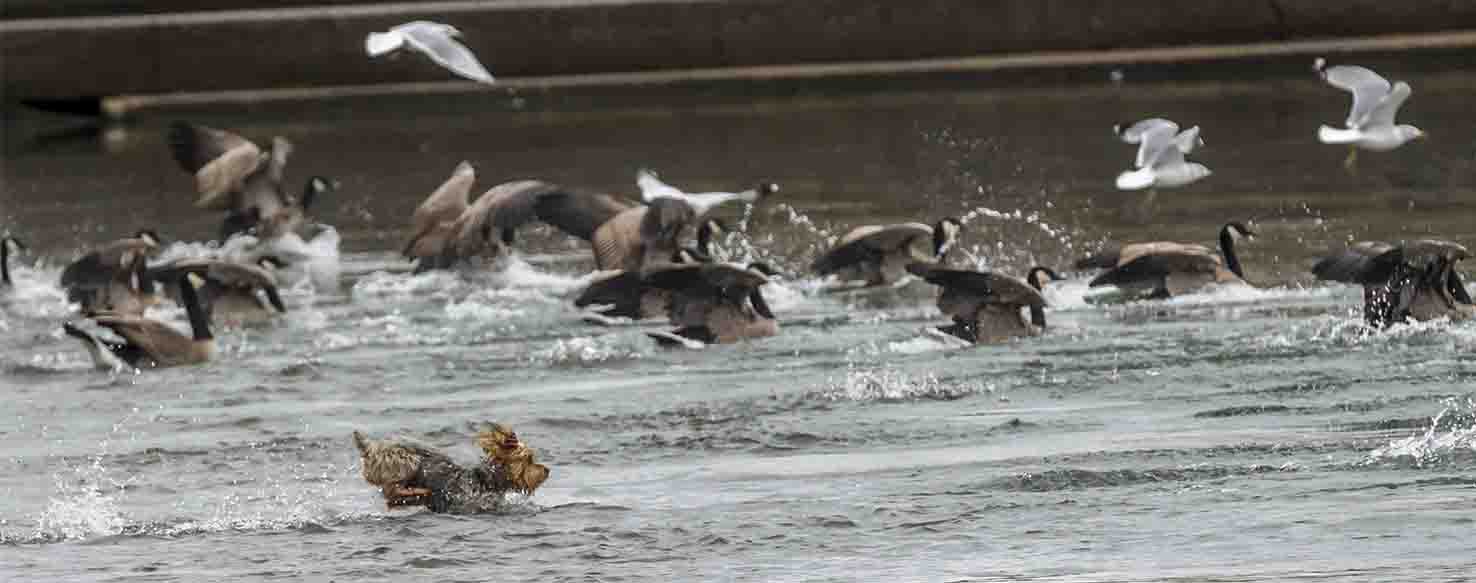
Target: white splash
86 503
1435 443
587 350
35 294
888 384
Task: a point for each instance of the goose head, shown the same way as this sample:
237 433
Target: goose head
317 185
945 234
1040 275
149 237
1238 231
270 263
711 228
13 245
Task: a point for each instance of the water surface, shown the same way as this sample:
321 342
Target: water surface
1242 435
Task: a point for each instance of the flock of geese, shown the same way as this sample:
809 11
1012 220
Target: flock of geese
653 256
654 259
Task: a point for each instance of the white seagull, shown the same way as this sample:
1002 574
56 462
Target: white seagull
434 40
1161 149
653 188
1370 123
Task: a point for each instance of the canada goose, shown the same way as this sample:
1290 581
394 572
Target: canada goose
433 223
90 278
229 291
621 294
880 254
291 217
1416 280
623 235
714 303
413 475
8 245
986 306
1370 124
234 175
131 292
150 343
1161 150
1168 269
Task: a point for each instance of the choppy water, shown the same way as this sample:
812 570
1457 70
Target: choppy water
1241 435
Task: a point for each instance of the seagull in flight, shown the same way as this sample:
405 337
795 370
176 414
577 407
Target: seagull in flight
434 40
1161 150
1370 123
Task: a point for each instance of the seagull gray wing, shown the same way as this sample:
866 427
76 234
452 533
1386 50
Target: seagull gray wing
1133 134
1382 114
1187 140
1367 87
1159 148
652 187
446 52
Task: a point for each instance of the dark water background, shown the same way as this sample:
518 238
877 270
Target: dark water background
1240 435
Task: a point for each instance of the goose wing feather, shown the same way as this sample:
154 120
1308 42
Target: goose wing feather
1363 263
1154 266
868 243
220 161
444 205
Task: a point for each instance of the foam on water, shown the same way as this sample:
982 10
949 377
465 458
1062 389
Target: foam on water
1349 330
314 262
886 384
595 350
35 294
514 272
1440 440
86 503
386 285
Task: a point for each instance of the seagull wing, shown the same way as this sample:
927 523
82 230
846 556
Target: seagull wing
1187 140
379 43
1382 114
653 188
1367 87
446 52
1158 146
1133 134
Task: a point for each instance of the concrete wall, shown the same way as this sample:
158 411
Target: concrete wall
297 46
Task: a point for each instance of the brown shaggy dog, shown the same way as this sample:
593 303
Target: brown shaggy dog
412 475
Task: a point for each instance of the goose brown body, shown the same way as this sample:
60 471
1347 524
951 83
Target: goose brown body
986 306
880 254
149 343
715 303
105 278
234 175
1165 268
